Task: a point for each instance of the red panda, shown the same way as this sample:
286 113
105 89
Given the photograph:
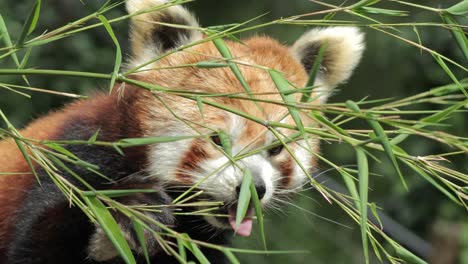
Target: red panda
37 225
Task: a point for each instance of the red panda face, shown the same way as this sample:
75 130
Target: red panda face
202 161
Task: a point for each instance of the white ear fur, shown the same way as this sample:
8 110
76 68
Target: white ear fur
149 38
344 48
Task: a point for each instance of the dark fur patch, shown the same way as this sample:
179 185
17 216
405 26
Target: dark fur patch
170 37
309 55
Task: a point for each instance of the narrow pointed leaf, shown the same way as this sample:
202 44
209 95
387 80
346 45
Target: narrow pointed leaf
258 212
244 197
313 73
226 53
363 170
380 133
232 258
409 257
30 23
132 142
283 86
141 238
457 33
94 137
118 52
7 40
225 142
111 228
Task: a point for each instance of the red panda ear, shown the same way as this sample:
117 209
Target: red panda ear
343 51
150 33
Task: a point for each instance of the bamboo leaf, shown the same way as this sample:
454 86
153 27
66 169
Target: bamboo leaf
118 52
133 142
93 138
447 70
382 11
459 9
198 253
111 228
313 73
141 238
380 133
408 256
283 86
30 24
225 142
211 64
258 212
226 53
7 40
244 197
232 258
457 33
363 170
116 193
181 247
61 150
363 3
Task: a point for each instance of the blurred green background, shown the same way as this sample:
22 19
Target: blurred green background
389 69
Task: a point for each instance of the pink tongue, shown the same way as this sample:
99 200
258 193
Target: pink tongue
245 227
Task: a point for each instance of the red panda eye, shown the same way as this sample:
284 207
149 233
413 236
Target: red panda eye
216 140
275 150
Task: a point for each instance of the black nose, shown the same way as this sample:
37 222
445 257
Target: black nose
259 187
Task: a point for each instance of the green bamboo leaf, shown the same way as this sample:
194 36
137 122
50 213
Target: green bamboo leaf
408 256
322 119
373 208
232 258
94 137
225 142
428 178
244 197
306 97
457 33
7 40
110 227
363 169
118 149
283 86
226 53
116 193
351 186
363 3
447 70
211 64
27 158
30 24
376 250
198 253
61 150
118 52
141 238
434 118
382 11
459 9
133 142
380 133
181 247
200 106
258 212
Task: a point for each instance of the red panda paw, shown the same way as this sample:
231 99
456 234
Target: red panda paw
100 248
